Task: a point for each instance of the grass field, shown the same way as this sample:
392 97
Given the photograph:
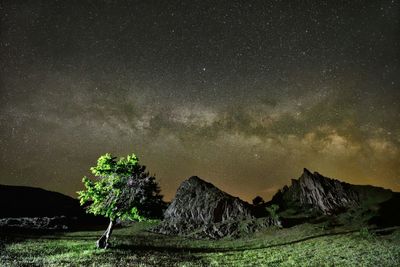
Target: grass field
302 245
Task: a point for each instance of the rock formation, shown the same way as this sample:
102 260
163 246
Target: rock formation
202 210
312 191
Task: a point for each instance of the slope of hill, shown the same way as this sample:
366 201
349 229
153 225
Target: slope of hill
23 201
36 208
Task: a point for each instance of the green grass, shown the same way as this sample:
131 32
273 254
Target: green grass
302 245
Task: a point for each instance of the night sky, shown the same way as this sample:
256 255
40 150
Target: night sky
241 93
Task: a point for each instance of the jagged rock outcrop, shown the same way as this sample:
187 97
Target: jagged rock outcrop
202 210
315 192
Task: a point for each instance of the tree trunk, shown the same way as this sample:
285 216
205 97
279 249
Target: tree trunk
103 241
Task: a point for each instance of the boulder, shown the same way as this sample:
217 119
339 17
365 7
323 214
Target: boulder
200 209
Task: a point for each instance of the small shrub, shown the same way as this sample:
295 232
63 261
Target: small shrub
272 210
366 233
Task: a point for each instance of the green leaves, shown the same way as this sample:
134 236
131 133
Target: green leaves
119 189
133 215
108 165
105 165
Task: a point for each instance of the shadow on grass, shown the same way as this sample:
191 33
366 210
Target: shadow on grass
238 249
141 245
173 249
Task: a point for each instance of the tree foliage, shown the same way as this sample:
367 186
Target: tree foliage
123 189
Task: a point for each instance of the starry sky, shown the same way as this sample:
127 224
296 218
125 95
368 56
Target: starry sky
241 93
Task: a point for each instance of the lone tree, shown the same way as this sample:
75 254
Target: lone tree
123 190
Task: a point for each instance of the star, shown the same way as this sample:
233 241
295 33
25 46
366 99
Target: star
194 88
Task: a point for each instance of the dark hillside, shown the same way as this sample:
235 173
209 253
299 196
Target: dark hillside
36 208
22 201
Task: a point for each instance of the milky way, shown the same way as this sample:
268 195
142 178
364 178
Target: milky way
243 94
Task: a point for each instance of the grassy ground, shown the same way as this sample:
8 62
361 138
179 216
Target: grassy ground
302 245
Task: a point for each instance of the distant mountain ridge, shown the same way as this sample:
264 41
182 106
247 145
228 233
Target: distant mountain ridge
24 201
39 207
